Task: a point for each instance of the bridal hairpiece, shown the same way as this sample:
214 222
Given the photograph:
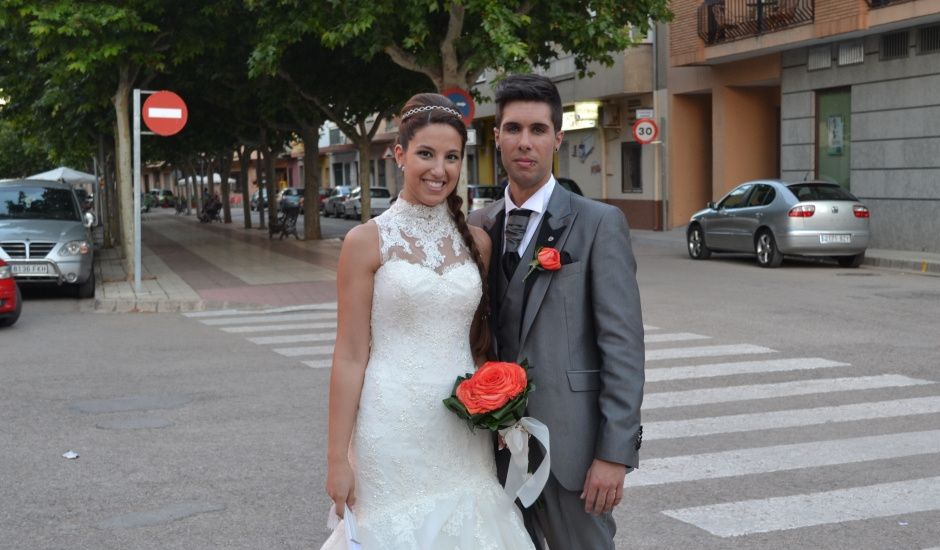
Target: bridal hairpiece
425 108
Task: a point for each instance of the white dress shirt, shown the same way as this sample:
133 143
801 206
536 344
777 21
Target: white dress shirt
537 203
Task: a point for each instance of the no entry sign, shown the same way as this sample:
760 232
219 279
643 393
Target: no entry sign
463 101
165 113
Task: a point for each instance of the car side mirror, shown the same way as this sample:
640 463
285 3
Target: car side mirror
89 220
711 205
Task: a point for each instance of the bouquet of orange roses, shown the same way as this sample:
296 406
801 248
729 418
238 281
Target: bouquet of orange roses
495 398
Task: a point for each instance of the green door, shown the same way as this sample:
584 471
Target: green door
834 135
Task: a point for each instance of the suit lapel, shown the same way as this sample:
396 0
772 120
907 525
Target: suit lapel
495 220
553 233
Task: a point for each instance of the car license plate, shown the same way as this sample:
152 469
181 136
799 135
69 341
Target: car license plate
30 269
835 239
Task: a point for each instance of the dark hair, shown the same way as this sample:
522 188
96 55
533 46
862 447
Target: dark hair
528 87
423 110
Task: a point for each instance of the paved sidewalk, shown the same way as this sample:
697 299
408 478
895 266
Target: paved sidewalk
190 266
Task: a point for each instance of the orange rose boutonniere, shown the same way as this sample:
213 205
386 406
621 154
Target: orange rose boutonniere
546 259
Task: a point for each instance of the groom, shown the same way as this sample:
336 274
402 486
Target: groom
578 325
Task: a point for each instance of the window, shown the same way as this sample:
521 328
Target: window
851 53
894 45
820 192
630 157
928 39
736 198
819 58
762 196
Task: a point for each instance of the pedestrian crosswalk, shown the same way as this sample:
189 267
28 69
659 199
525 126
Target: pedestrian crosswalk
700 386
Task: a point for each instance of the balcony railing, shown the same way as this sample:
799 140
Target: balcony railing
726 20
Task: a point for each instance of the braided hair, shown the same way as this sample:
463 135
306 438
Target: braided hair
420 111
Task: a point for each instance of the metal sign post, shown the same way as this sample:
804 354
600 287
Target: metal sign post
166 115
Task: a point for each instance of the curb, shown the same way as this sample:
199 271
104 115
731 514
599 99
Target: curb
917 266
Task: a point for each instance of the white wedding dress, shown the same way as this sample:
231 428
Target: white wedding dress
423 480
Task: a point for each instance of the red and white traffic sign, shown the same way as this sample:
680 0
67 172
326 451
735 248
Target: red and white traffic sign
645 130
165 113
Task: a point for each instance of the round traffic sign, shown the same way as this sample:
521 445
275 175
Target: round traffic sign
463 101
165 113
645 130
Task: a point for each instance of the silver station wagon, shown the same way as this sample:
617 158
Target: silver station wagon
44 237
770 219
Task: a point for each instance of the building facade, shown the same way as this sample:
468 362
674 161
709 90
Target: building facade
837 90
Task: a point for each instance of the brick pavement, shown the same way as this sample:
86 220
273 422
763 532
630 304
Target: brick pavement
189 266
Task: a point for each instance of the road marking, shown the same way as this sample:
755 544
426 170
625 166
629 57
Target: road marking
285 309
650 327
695 427
779 458
674 337
294 338
769 391
661 374
319 363
305 350
793 512
276 318
705 351
276 328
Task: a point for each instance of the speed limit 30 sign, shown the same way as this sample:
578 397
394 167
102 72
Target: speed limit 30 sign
645 130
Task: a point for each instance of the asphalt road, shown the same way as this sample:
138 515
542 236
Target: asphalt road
789 408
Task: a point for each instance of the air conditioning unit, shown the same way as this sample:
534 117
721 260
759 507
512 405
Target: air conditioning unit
610 116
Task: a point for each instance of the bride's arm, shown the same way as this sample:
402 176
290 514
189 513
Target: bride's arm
358 261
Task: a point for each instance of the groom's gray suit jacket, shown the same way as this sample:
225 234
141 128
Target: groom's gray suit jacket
580 328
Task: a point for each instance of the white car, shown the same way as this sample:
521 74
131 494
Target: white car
379 201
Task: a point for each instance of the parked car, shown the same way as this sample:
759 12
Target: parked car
570 185
164 198
479 196
334 204
11 303
263 193
772 219
379 201
85 199
290 196
44 237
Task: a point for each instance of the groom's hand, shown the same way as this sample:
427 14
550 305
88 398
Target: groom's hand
603 486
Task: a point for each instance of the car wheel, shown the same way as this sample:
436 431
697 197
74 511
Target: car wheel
851 261
8 321
768 255
86 289
696 241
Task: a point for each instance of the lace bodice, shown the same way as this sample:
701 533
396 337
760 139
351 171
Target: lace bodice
421 235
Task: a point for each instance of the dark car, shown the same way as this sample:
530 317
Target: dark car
479 196
570 185
290 197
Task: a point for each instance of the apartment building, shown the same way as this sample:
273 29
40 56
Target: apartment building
841 90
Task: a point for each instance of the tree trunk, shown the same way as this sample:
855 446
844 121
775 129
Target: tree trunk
125 184
244 162
270 158
365 165
262 184
309 132
225 168
197 186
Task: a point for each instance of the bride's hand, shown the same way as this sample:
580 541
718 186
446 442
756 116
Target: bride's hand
341 485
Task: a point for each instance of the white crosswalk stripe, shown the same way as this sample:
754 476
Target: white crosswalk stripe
792 512
696 427
683 378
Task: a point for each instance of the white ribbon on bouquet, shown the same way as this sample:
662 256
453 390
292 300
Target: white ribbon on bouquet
519 484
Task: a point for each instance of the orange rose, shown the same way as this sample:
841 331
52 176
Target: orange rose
549 258
491 386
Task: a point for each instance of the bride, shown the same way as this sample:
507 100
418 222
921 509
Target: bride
411 297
